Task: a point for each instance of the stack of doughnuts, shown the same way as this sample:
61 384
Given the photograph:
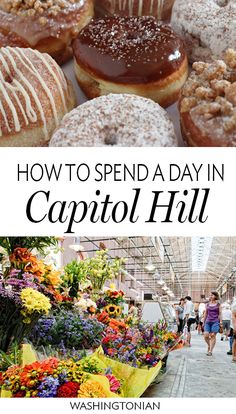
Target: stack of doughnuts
116 120
46 25
134 55
207 26
127 62
208 103
160 9
34 97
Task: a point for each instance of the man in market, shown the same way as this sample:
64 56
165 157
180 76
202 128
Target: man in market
190 317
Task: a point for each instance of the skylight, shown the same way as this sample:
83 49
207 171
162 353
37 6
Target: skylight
201 247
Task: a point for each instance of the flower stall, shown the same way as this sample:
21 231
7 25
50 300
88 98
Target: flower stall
63 332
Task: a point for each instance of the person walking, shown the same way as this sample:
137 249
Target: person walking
226 319
233 309
212 321
189 315
133 310
179 310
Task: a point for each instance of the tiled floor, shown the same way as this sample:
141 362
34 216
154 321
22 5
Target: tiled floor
190 373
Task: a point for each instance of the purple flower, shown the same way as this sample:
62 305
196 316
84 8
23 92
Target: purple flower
48 387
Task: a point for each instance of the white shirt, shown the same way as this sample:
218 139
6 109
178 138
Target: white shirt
233 309
189 309
226 314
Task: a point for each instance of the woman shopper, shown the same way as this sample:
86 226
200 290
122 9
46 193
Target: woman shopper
179 310
212 321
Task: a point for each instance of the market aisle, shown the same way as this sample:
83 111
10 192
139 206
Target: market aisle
190 373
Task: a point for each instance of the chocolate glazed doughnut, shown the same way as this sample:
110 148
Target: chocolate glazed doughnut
46 25
134 55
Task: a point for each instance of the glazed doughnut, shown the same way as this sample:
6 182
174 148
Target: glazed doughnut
207 26
46 25
134 55
208 103
160 9
116 120
34 97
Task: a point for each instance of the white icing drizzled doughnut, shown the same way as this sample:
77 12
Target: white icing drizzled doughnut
117 120
207 26
32 90
160 9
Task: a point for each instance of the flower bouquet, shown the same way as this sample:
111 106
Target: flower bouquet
95 270
85 305
111 301
20 310
133 347
53 378
67 330
27 291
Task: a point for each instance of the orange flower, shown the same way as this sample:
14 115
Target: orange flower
91 309
20 255
92 389
35 266
117 325
33 373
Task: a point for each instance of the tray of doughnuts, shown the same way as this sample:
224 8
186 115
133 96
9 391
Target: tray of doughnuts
118 73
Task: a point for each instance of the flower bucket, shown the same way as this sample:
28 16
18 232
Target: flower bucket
135 380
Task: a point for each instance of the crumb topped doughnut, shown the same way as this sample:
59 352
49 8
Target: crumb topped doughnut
46 25
208 103
116 120
207 26
130 55
34 97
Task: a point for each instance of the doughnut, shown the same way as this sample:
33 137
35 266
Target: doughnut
34 97
134 55
116 120
46 25
208 103
207 27
160 9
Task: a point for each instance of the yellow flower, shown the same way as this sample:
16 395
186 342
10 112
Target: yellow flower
92 389
33 301
113 310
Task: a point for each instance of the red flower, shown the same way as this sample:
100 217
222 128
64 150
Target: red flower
19 394
68 390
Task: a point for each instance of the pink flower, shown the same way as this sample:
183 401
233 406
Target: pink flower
114 383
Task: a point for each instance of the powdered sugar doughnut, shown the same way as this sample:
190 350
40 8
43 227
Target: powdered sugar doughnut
116 120
207 26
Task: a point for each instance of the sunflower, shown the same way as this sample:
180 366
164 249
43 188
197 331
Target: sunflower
118 310
113 310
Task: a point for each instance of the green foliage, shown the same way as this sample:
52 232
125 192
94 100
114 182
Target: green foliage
74 275
97 270
12 357
30 243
